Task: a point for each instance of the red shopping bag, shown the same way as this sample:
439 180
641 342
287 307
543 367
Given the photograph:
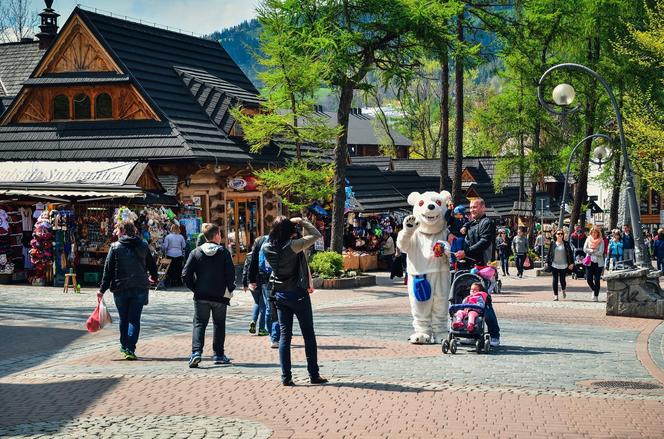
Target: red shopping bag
99 318
527 263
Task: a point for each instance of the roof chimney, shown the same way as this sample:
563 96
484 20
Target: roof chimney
48 27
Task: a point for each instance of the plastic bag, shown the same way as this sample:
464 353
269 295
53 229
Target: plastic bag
99 318
527 263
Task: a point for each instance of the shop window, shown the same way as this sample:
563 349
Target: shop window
654 203
61 107
103 106
82 107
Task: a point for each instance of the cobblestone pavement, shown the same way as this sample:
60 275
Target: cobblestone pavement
564 369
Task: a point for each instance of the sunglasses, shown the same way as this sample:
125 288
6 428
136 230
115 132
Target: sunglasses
559 233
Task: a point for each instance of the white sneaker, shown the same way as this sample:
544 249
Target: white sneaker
495 342
274 345
595 299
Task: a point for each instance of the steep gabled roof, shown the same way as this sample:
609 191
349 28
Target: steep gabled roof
17 61
373 191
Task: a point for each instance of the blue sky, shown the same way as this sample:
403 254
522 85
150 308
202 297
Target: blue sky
199 16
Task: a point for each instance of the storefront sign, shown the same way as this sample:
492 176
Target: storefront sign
237 183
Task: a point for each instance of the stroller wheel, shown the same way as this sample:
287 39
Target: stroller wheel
478 346
499 287
446 346
487 343
573 275
453 346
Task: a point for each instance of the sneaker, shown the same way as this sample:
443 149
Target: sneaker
288 382
263 332
252 327
318 380
457 324
595 299
124 350
470 328
194 359
274 345
221 359
129 355
495 342
555 298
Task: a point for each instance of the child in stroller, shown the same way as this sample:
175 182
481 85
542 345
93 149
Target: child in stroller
579 270
468 297
466 317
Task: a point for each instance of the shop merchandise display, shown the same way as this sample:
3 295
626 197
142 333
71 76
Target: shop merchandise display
63 226
94 236
363 240
41 254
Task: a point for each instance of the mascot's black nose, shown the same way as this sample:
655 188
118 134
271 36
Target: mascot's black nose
431 207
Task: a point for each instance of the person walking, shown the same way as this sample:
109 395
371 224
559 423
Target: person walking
560 259
628 245
210 274
594 247
290 283
658 249
258 309
503 246
478 245
520 250
125 274
259 276
387 251
174 247
615 254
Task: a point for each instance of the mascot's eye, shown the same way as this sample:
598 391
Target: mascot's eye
421 203
438 202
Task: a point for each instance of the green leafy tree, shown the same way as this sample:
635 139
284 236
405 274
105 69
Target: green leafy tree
287 116
644 117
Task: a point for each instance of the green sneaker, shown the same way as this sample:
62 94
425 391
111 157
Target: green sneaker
123 350
252 327
129 355
263 332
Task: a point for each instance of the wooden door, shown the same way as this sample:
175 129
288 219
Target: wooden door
243 226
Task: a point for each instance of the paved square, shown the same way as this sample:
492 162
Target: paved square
564 369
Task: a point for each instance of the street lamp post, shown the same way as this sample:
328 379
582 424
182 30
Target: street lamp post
563 96
602 156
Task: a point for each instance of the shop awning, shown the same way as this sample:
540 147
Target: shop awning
77 179
63 192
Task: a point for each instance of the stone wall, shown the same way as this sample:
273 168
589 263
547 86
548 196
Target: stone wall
634 293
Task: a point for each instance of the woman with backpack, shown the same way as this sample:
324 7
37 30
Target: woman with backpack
290 287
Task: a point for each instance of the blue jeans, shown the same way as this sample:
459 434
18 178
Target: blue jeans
491 322
518 261
660 264
258 309
504 264
299 305
271 322
130 306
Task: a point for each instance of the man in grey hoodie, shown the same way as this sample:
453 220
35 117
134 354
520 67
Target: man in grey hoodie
520 250
210 274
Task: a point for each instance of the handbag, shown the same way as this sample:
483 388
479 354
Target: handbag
547 268
587 261
527 263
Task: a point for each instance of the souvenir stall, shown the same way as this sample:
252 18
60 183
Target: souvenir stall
15 236
364 236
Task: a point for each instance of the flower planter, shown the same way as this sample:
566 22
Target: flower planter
344 283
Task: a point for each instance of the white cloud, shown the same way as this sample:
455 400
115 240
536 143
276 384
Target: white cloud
198 16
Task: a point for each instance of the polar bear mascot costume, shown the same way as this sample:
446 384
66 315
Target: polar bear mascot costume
424 240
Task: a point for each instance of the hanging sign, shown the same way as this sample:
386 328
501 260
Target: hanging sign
237 183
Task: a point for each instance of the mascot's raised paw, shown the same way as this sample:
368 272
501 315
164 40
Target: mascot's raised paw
420 338
410 222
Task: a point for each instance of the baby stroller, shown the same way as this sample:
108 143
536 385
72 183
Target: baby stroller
579 270
462 280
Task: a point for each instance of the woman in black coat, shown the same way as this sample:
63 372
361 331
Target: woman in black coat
559 259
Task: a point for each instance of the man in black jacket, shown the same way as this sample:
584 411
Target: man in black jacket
125 269
210 274
479 246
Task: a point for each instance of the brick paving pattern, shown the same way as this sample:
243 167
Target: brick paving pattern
56 380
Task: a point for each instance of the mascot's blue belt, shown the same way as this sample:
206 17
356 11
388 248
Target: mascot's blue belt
421 288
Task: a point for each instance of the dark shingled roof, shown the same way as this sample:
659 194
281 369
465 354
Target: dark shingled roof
410 181
17 61
484 166
362 130
87 78
373 191
384 163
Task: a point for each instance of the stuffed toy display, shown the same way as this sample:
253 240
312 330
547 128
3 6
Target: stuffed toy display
424 240
41 253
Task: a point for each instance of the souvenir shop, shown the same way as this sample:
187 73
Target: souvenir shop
62 222
364 236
